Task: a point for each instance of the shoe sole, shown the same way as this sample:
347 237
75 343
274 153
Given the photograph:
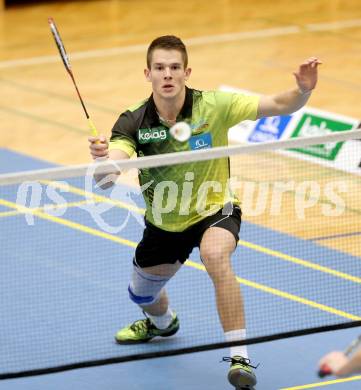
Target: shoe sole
242 381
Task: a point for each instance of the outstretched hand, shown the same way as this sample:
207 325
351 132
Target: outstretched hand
335 362
306 76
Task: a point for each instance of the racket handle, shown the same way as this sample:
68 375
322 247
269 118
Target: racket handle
324 371
93 130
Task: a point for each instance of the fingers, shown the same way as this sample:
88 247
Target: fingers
311 62
98 146
325 359
306 76
296 75
324 370
332 363
314 62
101 138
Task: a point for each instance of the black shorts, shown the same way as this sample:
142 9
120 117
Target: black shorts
162 247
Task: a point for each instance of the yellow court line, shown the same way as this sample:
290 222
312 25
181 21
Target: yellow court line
320 384
256 247
247 244
98 198
43 208
70 224
55 206
298 261
9 213
285 295
107 236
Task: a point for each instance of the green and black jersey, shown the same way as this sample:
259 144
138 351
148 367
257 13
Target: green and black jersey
177 196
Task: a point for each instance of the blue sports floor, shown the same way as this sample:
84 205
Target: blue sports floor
63 303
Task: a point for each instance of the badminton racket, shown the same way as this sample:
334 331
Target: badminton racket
65 58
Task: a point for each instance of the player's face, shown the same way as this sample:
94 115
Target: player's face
167 73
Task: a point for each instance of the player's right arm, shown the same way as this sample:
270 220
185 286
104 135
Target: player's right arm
99 149
122 143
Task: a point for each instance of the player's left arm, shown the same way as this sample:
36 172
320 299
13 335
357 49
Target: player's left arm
287 102
342 365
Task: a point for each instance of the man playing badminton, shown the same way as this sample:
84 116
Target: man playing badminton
211 224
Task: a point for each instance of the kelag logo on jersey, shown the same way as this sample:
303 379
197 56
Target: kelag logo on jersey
202 141
156 134
269 129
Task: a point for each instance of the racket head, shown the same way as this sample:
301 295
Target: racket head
59 44
66 62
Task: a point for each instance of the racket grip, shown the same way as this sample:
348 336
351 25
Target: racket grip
324 371
93 130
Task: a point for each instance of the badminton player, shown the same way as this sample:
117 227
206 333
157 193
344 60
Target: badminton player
213 226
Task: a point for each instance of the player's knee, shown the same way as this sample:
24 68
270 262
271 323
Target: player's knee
217 264
214 256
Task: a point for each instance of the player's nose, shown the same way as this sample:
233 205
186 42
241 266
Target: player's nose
167 73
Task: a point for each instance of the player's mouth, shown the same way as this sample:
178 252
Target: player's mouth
168 87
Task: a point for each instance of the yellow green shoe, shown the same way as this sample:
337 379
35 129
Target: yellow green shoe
240 374
142 331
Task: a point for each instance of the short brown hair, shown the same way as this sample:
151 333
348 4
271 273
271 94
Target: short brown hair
167 42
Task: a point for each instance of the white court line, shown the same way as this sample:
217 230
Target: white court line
239 36
207 39
333 25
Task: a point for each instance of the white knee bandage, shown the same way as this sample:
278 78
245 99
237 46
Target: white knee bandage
145 289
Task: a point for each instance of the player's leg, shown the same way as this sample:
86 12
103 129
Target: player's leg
216 247
146 289
157 258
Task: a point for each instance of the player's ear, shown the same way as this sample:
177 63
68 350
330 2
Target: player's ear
187 73
147 74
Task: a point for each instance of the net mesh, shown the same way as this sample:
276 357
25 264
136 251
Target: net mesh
67 248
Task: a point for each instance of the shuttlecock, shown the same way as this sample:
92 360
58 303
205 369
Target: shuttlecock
181 131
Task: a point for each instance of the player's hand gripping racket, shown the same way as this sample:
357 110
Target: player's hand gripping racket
355 344
64 57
